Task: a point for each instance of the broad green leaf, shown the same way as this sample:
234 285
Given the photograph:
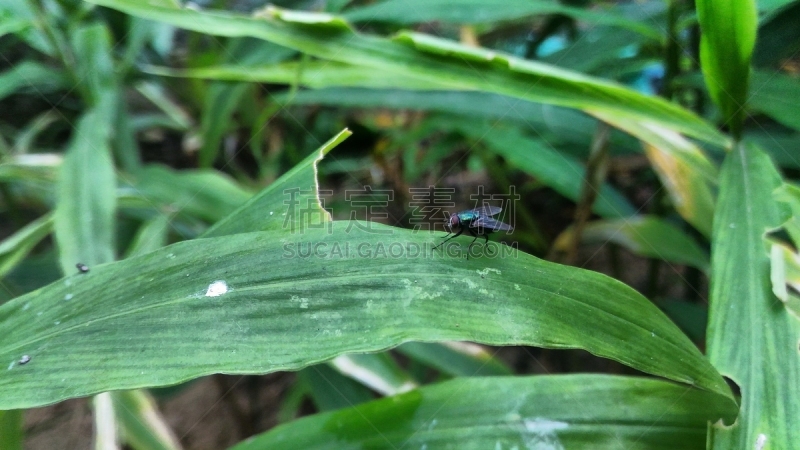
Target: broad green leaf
17 246
143 426
459 359
84 214
297 190
536 157
427 58
775 94
11 430
752 338
728 36
208 305
484 11
539 412
643 235
378 371
685 171
33 77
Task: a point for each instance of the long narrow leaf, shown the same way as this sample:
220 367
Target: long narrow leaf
432 59
542 412
752 338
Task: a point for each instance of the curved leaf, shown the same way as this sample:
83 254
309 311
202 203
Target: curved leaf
428 58
296 189
541 412
209 305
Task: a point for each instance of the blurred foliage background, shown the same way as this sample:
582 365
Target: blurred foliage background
187 126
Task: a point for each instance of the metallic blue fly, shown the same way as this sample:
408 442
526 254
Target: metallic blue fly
478 222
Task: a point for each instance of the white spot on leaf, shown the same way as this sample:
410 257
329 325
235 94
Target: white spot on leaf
761 441
68 297
217 288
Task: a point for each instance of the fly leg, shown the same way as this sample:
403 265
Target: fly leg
486 245
476 234
451 237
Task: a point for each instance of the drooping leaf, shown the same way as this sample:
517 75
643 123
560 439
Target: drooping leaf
752 338
541 412
427 58
685 171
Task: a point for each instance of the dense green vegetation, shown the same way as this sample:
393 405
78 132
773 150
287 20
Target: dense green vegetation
230 187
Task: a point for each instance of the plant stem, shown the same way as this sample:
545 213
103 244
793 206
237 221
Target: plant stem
596 170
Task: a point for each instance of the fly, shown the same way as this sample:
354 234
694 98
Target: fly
478 222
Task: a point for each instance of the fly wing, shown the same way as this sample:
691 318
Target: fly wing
487 210
490 224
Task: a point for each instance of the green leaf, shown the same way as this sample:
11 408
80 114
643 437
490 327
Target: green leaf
726 45
208 305
435 60
32 76
752 338
221 101
84 215
643 235
459 359
17 246
313 74
537 158
296 189
151 236
331 390
540 412
484 11
143 426
775 94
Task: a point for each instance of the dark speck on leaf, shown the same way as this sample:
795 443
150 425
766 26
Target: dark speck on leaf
82 267
24 360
